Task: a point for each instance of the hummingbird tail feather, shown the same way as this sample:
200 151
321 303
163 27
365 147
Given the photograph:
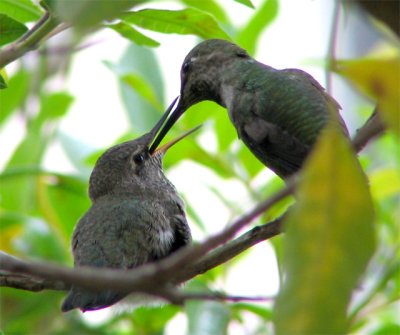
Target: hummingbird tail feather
90 301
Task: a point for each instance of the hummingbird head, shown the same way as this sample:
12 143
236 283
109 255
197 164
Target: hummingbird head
130 167
203 70
202 74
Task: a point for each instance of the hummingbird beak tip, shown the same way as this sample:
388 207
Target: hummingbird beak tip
164 148
156 129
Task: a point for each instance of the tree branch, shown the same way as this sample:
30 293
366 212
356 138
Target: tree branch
156 278
216 257
372 128
29 41
147 278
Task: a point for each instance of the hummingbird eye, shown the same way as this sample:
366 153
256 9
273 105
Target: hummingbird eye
242 54
186 66
138 158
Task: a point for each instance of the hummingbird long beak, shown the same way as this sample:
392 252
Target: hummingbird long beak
176 114
153 133
164 148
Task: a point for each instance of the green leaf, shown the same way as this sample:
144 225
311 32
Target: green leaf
14 95
329 240
152 320
87 13
378 77
247 159
263 312
20 10
137 83
210 6
190 149
18 193
53 106
206 317
10 29
385 183
77 152
64 201
188 21
263 17
386 329
132 34
247 3
141 62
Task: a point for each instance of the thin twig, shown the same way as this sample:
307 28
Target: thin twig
331 53
217 296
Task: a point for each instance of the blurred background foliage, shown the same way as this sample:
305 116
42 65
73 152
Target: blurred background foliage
39 207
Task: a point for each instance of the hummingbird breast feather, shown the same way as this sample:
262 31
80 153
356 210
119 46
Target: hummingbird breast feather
123 234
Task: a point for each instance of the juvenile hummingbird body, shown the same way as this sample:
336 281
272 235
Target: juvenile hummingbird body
136 217
277 113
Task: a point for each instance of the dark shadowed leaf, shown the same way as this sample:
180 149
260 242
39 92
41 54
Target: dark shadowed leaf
10 29
3 83
133 34
329 240
188 21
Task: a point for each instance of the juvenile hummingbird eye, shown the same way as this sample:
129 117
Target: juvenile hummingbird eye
138 158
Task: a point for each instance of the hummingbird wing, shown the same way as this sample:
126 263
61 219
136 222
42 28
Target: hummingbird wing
306 79
276 148
120 234
279 114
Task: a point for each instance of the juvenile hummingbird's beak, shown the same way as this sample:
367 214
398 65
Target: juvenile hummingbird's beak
163 149
176 114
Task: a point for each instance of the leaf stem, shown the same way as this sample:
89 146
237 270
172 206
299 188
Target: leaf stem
29 41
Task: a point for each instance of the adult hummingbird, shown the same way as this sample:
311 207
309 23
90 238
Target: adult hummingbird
277 113
136 216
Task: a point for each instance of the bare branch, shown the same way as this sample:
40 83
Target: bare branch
24 282
372 128
231 249
156 278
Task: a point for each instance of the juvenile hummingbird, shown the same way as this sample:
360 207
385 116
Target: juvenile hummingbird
136 216
277 113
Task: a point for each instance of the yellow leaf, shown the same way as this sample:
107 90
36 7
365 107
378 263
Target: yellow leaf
329 241
379 79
